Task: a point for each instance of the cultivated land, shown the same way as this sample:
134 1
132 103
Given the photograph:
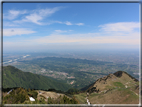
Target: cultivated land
77 70
72 78
117 88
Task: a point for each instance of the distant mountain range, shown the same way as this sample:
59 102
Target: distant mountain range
13 77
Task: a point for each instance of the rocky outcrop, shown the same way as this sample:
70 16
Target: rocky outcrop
120 73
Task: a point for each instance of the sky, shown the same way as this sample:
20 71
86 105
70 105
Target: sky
68 26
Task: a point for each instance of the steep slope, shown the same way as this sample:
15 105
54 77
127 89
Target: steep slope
13 77
115 96
117 88
24 96
119 79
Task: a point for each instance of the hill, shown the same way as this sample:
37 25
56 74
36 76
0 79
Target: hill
13 77
24 96
117 88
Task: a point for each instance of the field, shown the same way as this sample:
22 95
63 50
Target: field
76 72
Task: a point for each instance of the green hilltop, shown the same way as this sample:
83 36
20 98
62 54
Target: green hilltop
13 77
117 88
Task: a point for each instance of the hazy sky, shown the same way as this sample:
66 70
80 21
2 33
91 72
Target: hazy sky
43 26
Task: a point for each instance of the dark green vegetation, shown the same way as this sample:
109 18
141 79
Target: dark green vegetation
62 100
15 97
13 77
112 89
73 91
77 72
21 96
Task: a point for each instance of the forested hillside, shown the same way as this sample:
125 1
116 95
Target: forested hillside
13 77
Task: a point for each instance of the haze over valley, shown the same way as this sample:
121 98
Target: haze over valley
71 53
76 68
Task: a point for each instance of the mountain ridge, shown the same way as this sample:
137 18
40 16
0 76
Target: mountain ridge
109 80
116 88
119 74
13 77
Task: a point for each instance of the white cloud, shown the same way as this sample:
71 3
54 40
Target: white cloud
80 24
48 11
16 31
90 38
120 26
127 38
33 18
60 31
38 15
68 23
12 14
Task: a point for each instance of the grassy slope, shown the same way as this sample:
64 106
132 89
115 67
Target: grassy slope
114 90
118 94
13 77
81 98
115 96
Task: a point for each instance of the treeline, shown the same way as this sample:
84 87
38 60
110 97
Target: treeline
62 100
13 77
21 96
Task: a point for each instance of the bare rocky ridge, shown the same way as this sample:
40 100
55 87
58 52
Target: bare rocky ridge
121 73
